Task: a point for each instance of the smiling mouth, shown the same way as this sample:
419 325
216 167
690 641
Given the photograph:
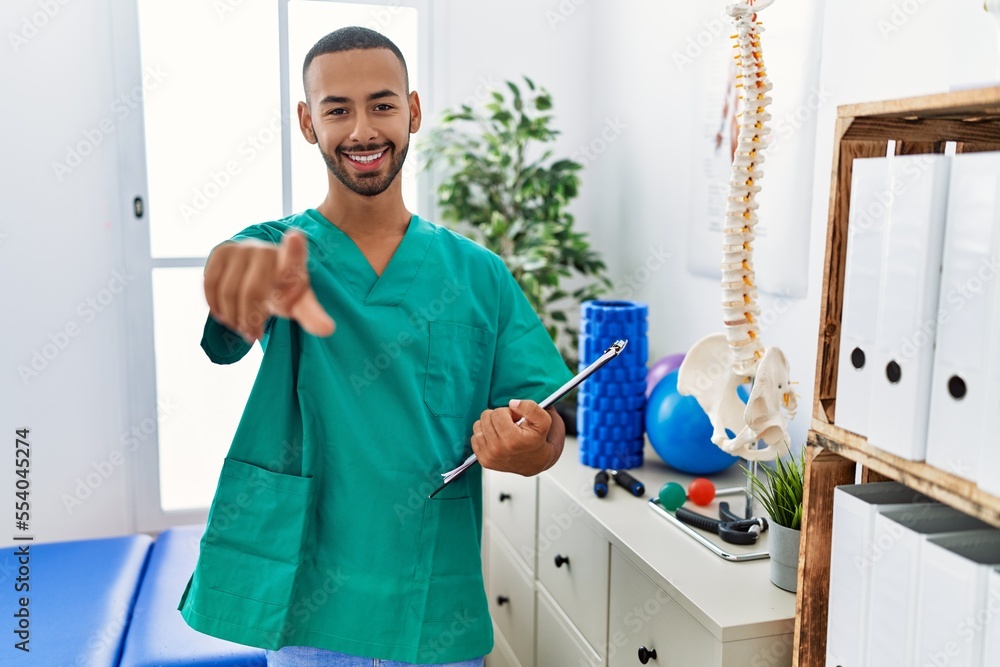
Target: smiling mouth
365 159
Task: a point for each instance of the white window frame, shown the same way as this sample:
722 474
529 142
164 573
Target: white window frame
145 512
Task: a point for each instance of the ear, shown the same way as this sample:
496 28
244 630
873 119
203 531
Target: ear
305 123
415 114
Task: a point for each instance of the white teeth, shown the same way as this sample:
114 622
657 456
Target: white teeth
365 159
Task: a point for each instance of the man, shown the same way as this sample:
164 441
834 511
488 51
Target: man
321 537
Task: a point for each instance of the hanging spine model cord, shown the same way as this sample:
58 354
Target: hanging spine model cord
719 363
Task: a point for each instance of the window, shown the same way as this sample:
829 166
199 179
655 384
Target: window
223 151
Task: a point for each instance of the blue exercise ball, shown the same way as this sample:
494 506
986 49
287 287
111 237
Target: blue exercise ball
680 431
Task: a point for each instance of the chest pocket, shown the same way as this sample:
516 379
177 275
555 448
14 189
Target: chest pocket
454 361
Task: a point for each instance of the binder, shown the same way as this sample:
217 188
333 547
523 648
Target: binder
871 196
895 556
908 305
991 635
952 598
854 510
989 452
967 322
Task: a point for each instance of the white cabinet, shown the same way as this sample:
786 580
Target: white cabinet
645 621
512 601
563 645
511 504
573 562
589 582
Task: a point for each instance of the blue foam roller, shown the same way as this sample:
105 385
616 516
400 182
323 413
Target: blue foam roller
612 447
613 311
613 462
615 404
614 389
80 596
158 634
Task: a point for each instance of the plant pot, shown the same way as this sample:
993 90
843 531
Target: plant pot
783 545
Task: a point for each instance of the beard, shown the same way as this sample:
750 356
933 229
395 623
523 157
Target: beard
367 184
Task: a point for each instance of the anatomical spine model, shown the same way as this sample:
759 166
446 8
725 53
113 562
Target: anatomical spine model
719 363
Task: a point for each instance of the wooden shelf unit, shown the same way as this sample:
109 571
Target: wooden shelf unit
971 119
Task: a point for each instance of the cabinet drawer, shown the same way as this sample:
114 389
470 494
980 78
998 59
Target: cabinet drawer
512 602
573 563
501 656
643 616
513 502
559 643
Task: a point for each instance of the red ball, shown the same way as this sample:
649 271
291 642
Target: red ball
701 491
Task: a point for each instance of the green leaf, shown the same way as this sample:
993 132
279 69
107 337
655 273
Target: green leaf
502 185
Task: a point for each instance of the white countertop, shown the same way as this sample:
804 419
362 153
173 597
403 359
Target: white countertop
733 600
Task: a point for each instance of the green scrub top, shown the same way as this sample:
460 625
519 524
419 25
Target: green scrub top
321 532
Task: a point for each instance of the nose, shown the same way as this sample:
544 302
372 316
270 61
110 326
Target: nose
364 130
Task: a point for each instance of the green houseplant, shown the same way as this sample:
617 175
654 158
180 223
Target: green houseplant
501 187
780 492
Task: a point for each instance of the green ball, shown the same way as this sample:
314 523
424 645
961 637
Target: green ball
672 495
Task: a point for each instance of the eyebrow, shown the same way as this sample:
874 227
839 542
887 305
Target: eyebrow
379 95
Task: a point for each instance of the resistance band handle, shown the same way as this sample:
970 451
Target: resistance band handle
634 486
601 484
697 520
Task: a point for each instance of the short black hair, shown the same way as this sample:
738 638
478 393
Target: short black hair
348 39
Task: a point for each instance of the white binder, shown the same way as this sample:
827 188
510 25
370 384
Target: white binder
967 321
908 306
989 453
991 638
952 606
854 510
895 557
871 196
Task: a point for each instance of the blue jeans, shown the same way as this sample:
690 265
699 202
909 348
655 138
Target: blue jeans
306 656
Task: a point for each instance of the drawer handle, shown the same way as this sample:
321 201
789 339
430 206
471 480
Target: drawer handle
645 654
504 496
502 600
561 560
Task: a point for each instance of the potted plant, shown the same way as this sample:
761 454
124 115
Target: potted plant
780 492
501 186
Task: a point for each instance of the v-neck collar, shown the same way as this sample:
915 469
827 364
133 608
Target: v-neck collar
351 267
